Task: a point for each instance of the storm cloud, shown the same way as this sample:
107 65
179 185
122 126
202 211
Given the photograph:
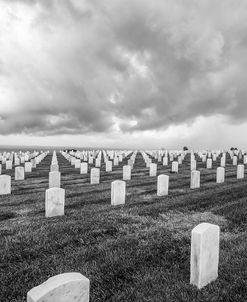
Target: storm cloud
74 67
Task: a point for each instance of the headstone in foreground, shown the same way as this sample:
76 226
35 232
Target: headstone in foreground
204 254
67 287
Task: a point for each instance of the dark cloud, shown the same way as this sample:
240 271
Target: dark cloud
69 67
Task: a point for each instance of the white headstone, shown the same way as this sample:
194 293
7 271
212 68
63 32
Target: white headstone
235 160
54 201
193 165
220 177
0 169
118 188
28 167
108 166
195 179
84 168
90 160
209 163
115 161
77 164
95 176
130 163
222 161
33 162
8 164
175 166
126 172
54 167
98 163
19 173
67 287
240 172
5 184
162 185
165 161
54 179
204 254
153 169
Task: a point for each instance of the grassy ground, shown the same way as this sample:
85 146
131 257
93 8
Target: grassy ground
136 252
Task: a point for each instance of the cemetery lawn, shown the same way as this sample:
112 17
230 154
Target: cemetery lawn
136 252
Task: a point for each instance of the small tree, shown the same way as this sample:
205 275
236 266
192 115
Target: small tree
185 148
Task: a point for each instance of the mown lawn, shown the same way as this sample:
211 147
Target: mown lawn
136 252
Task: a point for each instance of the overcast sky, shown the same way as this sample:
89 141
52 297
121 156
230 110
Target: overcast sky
130 73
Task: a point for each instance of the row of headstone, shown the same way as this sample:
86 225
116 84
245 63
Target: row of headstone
5 180
95 172
74 287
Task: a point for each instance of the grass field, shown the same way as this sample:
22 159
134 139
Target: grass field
136 252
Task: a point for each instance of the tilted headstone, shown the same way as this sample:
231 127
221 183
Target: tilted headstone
204 254
54 202
67 287
118 189
95 176
220 176
19 173
195 179
162 185
5 184
54 179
